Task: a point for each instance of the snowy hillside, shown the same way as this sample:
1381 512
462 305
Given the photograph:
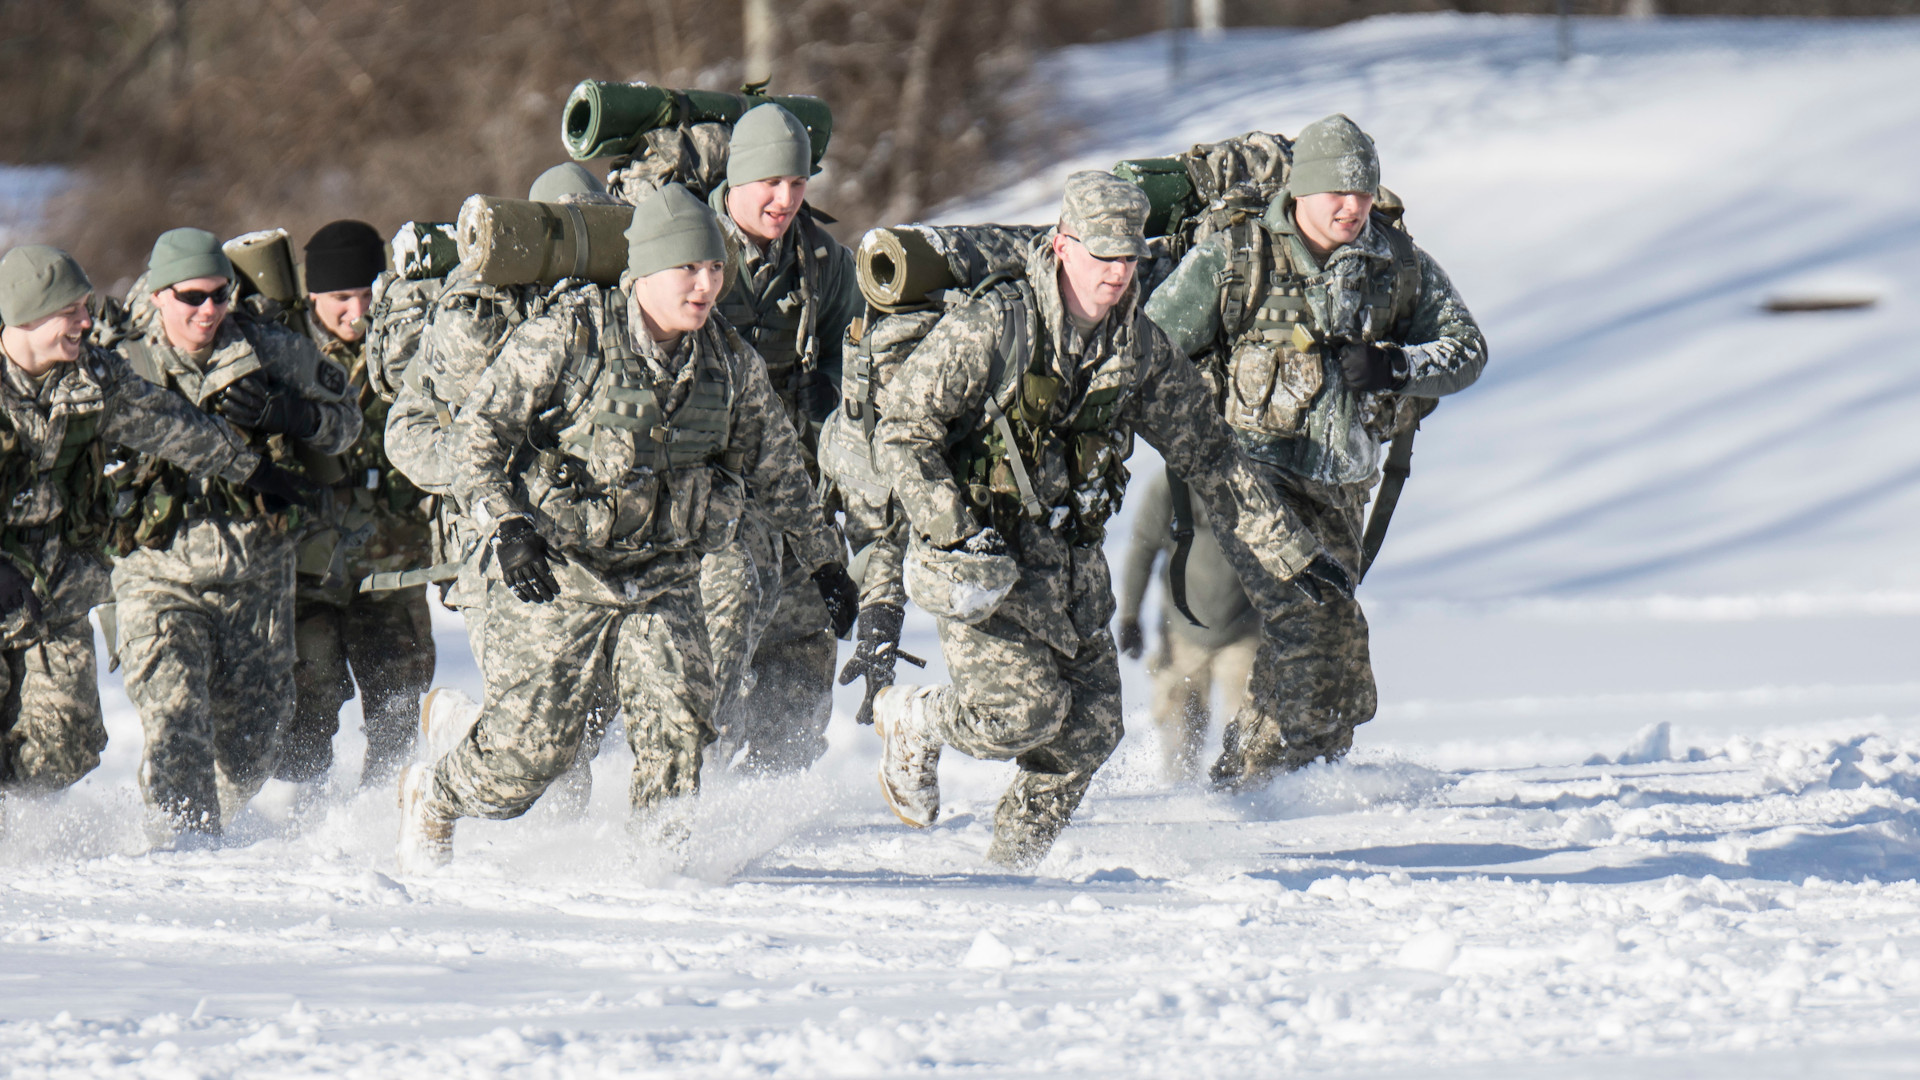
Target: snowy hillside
1644 794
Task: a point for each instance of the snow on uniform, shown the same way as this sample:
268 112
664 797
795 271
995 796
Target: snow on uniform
1191 660
57 504
206 601
1038 680
382 524
793 304
1314 437
583 383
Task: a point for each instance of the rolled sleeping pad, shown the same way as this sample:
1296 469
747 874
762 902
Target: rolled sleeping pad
1168 188
422 250
606 119
265 259
518 242
898 267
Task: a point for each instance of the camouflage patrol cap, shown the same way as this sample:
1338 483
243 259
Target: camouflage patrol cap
1333 154
184 254
1106 214
672 228
566 178
36 281
768 141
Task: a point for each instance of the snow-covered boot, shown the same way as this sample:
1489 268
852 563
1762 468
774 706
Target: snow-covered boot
446 715
426 836
909 753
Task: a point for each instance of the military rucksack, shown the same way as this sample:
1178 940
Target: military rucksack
424 253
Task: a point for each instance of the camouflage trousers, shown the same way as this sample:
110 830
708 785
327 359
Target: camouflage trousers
1312 680
774 653
1184 674
383 641
547 667
1058 716
209 667
51 732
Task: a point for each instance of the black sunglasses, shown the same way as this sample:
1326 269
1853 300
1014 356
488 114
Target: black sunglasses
196 297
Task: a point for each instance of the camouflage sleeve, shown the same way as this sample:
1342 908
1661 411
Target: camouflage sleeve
840 304
500 409
1445 349
416 442
292 361
155 420
1187 304
775 471
1261 537
1152 529
879 542
943 380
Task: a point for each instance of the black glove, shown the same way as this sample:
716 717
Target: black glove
1374 367
251 403
985 542
875 655
16 592
281 490
524 557
1321 576
841 596
1132 641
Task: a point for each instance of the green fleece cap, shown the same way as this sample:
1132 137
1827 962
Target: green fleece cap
566 178
1333 154
768 141
184 254
36 281
672 228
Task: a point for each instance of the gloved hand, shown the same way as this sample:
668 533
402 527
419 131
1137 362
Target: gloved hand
524 557
1374 367
1322 576
985 542
16 592
875 655
1132 641
282 490
841 596
251 403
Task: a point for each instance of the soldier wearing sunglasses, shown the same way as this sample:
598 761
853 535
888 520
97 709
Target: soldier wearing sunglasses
206 599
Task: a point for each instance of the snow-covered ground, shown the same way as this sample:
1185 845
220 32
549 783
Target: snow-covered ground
1643 795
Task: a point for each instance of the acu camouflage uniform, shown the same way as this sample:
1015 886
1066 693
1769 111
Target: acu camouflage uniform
1273 330
773 649
631 463
1038 681
58 437
206 600
380 524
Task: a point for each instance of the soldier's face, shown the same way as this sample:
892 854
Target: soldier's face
37 346
1332 218
1090 284
339 311
193 328
679 300
764 208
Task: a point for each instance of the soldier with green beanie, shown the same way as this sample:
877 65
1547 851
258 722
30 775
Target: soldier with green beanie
793 296
377 522
649 422
66 405
205 596
1333 332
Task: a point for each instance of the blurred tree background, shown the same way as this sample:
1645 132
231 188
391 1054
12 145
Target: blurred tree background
242 114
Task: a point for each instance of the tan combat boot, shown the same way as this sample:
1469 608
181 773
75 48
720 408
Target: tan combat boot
446 715
909 754
426 837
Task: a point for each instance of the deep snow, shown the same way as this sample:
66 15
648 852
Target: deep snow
1642 796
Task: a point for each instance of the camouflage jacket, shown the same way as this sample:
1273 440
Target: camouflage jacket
56 436
793 304
1290 406
1146 384
624 456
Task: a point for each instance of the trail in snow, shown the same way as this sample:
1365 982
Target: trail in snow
1642 795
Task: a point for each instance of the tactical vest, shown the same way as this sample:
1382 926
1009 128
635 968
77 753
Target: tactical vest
78 473
782 324
1283 389
167 496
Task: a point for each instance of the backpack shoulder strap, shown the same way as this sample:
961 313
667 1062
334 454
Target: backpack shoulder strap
1406 270
140 357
